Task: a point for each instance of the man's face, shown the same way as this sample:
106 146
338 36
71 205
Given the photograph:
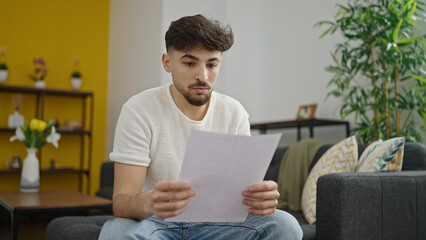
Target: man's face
194 73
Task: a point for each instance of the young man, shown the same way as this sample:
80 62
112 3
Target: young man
150 143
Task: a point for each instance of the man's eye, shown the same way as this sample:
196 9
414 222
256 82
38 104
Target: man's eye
188 63
211 65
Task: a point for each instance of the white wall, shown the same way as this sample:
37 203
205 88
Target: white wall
276 64
134 62
280 59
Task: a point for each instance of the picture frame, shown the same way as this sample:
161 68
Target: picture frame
306 112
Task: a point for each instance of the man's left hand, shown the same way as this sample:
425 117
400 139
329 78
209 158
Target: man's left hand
262 198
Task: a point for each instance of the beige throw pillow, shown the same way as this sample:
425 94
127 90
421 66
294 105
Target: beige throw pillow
341 157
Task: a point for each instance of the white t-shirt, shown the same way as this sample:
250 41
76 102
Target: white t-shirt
152 131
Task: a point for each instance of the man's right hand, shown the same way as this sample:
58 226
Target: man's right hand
169 198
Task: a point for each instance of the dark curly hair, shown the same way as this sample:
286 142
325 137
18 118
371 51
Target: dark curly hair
197 31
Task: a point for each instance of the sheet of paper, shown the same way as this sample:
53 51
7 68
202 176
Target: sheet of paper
220 167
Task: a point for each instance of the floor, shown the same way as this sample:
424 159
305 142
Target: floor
30 227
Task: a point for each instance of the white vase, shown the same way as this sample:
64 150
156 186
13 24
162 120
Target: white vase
30 176
40 84
75 83
4 73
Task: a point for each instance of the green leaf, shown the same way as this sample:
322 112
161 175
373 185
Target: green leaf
418 78
414 23
326 32
406 5
413 9
395 9
343 7
408 40
396 32
320 23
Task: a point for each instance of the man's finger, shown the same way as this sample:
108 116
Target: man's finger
159 196
172 186
259 205
263 186
262 195
170 206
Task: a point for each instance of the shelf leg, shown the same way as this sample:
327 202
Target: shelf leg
299 133
311 131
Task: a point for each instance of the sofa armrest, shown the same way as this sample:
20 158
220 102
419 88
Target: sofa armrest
386 205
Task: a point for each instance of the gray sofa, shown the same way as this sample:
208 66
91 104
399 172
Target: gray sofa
388 205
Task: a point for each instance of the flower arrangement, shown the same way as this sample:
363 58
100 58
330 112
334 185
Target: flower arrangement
36 133
40 70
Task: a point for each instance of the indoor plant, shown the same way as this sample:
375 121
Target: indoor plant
40 72
379 68
34 134
76 80
4 72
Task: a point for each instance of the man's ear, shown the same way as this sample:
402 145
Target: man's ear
166 62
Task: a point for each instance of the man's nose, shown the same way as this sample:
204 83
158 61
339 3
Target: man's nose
202 74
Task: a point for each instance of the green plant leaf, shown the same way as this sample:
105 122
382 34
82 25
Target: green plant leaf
418 78
396 32
413 9
406 5
407 40
343 7
414 23
326 32
320 23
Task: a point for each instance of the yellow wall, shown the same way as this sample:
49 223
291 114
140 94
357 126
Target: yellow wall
57 31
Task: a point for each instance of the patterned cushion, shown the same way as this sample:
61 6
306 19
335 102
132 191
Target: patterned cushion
367 152
342 157
384 156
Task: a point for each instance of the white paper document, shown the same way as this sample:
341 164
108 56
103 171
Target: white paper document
220 167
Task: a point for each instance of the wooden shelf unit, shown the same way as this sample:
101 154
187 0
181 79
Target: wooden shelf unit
87 109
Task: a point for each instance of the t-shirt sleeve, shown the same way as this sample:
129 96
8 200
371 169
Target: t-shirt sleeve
132 139
244 124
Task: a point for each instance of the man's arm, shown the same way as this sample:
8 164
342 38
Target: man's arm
167 199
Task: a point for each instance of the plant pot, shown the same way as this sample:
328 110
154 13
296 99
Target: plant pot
30 176
40 84
76 83
4 73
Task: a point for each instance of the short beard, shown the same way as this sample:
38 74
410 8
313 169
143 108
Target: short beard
197 100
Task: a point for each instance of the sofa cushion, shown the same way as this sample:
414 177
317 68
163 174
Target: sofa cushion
382 156
342 157
76 227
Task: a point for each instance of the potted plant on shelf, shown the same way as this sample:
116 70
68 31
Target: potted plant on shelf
76 80
4 71
40 72
379 68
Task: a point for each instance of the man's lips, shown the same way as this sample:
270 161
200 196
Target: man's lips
200 89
